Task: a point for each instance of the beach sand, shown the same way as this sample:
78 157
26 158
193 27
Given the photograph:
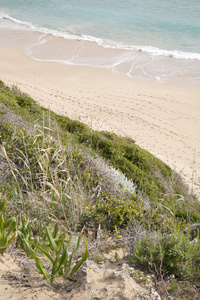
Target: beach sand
163 119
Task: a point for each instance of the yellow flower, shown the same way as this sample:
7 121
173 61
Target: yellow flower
86 207
106 197
119 236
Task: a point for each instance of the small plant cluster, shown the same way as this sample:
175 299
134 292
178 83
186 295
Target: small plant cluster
113 213
57 252
7 229
54 248
168 255
116 213
138 274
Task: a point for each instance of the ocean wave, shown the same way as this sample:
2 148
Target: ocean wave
21 25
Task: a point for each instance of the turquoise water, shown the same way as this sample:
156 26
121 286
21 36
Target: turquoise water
168 25
155 27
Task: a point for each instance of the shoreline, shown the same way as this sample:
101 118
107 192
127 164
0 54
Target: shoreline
162 118
154 65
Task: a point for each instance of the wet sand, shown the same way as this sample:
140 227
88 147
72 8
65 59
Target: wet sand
162 118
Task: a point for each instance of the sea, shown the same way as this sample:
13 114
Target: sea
152 40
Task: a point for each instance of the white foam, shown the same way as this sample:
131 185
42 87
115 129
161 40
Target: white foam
17 24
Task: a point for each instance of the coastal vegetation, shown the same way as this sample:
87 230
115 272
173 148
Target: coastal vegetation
59 179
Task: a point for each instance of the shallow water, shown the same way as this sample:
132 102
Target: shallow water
147 39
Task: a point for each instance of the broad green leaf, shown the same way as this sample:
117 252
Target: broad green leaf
11 228
76 246
26 247
55 264
7 223
63 258
43 251
83 258
2 206
58 267
12 238
51 240
55 232
1 223
41 269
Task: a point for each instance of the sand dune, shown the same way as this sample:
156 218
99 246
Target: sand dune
164 119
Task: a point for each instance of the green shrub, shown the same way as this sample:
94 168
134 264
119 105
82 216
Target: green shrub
169 254
113 214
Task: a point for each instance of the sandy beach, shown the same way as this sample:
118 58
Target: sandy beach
164 119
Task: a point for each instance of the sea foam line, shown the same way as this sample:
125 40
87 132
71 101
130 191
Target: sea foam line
103 43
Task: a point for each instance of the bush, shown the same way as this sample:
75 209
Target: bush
169 254
113 214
